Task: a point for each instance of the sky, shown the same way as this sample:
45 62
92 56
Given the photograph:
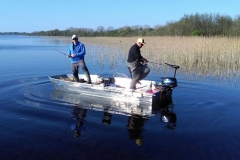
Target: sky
44 15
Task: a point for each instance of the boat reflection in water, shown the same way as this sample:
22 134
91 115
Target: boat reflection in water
138 114
136 122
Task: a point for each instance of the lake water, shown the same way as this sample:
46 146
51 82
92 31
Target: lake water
35 125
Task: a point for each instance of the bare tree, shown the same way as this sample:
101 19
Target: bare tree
110 28
100 29
135 27
146 27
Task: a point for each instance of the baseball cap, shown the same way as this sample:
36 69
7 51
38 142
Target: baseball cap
140 40
74 36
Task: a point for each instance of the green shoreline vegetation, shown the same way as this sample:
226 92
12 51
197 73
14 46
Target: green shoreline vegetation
189 25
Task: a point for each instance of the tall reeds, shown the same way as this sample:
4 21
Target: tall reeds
201 56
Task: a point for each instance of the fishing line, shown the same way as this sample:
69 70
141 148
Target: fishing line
62 53
115 69
112 70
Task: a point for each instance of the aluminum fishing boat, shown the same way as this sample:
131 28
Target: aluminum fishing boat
117 88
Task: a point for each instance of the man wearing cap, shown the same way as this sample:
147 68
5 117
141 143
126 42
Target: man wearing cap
135 63
76 54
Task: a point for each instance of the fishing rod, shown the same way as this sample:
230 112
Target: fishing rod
61 52
171 65
156 63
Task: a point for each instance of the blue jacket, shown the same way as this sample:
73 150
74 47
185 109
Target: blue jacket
79 50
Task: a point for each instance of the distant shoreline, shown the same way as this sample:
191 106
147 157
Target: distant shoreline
60 38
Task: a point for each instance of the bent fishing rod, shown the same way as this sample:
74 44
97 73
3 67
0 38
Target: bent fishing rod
171 65
62 53
156 63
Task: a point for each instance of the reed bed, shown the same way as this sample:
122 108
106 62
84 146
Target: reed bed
204 56
198 56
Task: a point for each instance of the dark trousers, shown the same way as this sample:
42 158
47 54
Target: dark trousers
138 72
75 67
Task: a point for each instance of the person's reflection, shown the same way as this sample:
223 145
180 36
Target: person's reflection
79 114
135 127
166 114
107 117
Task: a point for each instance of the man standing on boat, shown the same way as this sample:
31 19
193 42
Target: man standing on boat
76 54
136 63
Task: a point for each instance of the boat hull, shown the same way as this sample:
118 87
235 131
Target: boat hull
117 90
111 106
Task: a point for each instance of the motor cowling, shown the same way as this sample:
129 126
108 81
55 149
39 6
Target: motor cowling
169 81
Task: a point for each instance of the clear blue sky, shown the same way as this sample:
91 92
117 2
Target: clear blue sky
44 15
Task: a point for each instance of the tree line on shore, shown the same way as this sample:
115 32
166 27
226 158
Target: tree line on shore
189 25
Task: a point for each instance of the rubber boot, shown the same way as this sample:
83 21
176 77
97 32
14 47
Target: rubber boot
86 72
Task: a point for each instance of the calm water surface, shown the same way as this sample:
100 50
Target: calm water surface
36 125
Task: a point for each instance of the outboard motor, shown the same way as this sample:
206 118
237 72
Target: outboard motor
168 83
